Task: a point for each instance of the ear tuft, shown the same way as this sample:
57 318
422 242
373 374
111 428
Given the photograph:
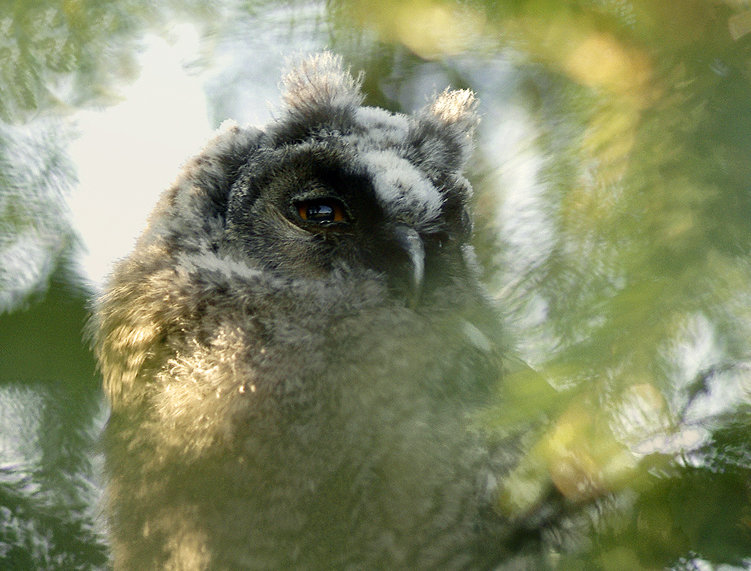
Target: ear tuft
456 107
443 138
319 81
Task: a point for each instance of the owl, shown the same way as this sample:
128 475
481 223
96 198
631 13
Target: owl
296 349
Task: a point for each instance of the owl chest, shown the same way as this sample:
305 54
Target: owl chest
324 446
347 492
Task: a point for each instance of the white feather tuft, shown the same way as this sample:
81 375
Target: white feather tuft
321 80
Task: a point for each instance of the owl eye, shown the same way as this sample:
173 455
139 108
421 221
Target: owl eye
323 211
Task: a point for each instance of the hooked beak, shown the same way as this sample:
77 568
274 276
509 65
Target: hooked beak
411 243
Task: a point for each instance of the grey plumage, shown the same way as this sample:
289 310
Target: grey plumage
295 347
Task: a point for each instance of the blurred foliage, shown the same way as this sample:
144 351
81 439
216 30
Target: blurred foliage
56 56
628 292
35 175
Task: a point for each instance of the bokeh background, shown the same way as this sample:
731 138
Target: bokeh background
613 199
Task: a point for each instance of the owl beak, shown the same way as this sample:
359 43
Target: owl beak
411 243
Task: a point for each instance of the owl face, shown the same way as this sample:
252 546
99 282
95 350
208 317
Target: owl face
335 188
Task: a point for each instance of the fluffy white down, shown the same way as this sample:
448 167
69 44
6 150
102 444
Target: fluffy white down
401 189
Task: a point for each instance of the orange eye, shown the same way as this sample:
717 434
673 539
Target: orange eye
322 211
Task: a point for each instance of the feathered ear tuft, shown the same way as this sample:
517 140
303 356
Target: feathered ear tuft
320 81
443 138
456 107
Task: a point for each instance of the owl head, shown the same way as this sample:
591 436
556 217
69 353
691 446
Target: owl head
333 186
